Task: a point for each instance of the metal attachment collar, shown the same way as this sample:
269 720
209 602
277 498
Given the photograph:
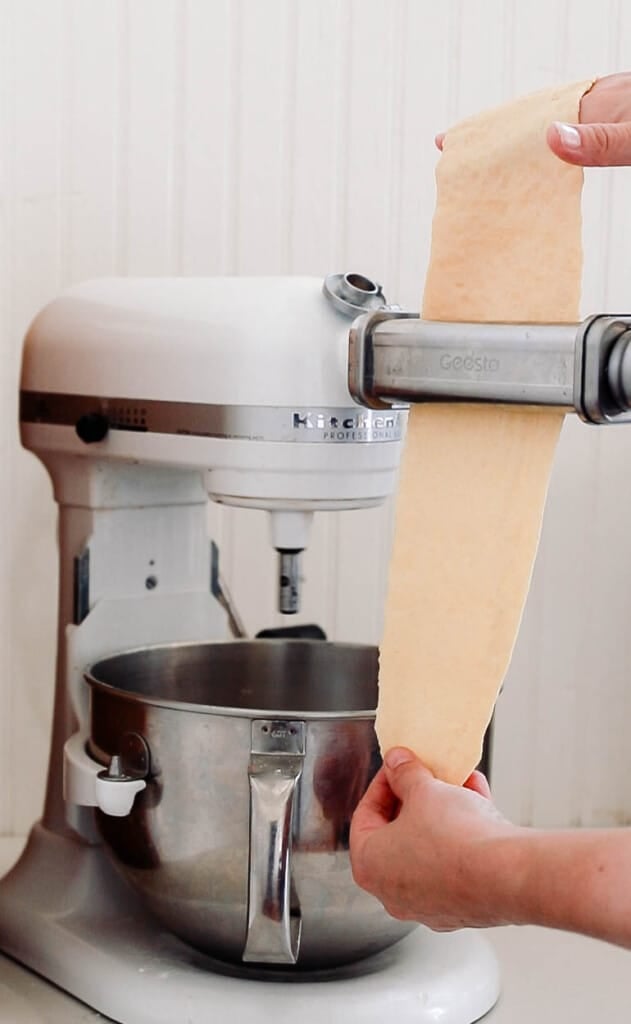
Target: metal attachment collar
353 293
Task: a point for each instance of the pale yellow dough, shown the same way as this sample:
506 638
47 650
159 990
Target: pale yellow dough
506 245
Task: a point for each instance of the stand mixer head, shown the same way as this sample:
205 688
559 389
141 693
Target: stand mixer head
243 380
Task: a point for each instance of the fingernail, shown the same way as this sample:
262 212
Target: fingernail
398 756
568 134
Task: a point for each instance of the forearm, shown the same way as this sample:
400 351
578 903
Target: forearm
578 880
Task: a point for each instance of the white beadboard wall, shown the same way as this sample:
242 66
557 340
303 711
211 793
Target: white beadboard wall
295 136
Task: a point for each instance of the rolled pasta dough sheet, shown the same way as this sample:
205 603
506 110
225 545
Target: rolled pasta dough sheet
506 246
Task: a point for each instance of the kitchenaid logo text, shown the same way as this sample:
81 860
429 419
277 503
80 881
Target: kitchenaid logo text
354 427
469 362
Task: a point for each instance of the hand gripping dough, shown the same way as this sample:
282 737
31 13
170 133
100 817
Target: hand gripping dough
506 245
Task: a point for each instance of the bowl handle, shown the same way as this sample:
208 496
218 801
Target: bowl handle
274 921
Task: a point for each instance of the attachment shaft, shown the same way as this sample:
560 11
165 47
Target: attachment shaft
395 358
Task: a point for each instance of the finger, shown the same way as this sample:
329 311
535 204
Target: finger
439 139
405 771
377 807
591 145
608 101
478 783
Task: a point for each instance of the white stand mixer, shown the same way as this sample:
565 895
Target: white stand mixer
142 398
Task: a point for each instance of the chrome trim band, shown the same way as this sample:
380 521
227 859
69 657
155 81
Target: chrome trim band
284 424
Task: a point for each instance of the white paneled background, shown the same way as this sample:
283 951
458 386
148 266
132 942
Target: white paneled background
295 136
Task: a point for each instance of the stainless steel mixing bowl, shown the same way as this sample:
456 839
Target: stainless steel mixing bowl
255 754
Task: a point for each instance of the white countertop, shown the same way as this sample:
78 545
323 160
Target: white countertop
548 977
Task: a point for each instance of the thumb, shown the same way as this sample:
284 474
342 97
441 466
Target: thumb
591 145
404 771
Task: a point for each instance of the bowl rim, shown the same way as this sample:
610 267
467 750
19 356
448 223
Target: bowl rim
223 710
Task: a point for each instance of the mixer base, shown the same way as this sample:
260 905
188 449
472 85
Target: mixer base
66 914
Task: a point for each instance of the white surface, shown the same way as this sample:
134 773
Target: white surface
225 340
548 977
424 988
65 913
232 136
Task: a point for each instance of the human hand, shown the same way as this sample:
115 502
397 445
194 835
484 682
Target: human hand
602 138
430 851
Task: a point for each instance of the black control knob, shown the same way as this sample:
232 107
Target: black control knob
92 427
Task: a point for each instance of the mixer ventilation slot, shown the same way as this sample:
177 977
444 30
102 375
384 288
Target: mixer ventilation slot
128 418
